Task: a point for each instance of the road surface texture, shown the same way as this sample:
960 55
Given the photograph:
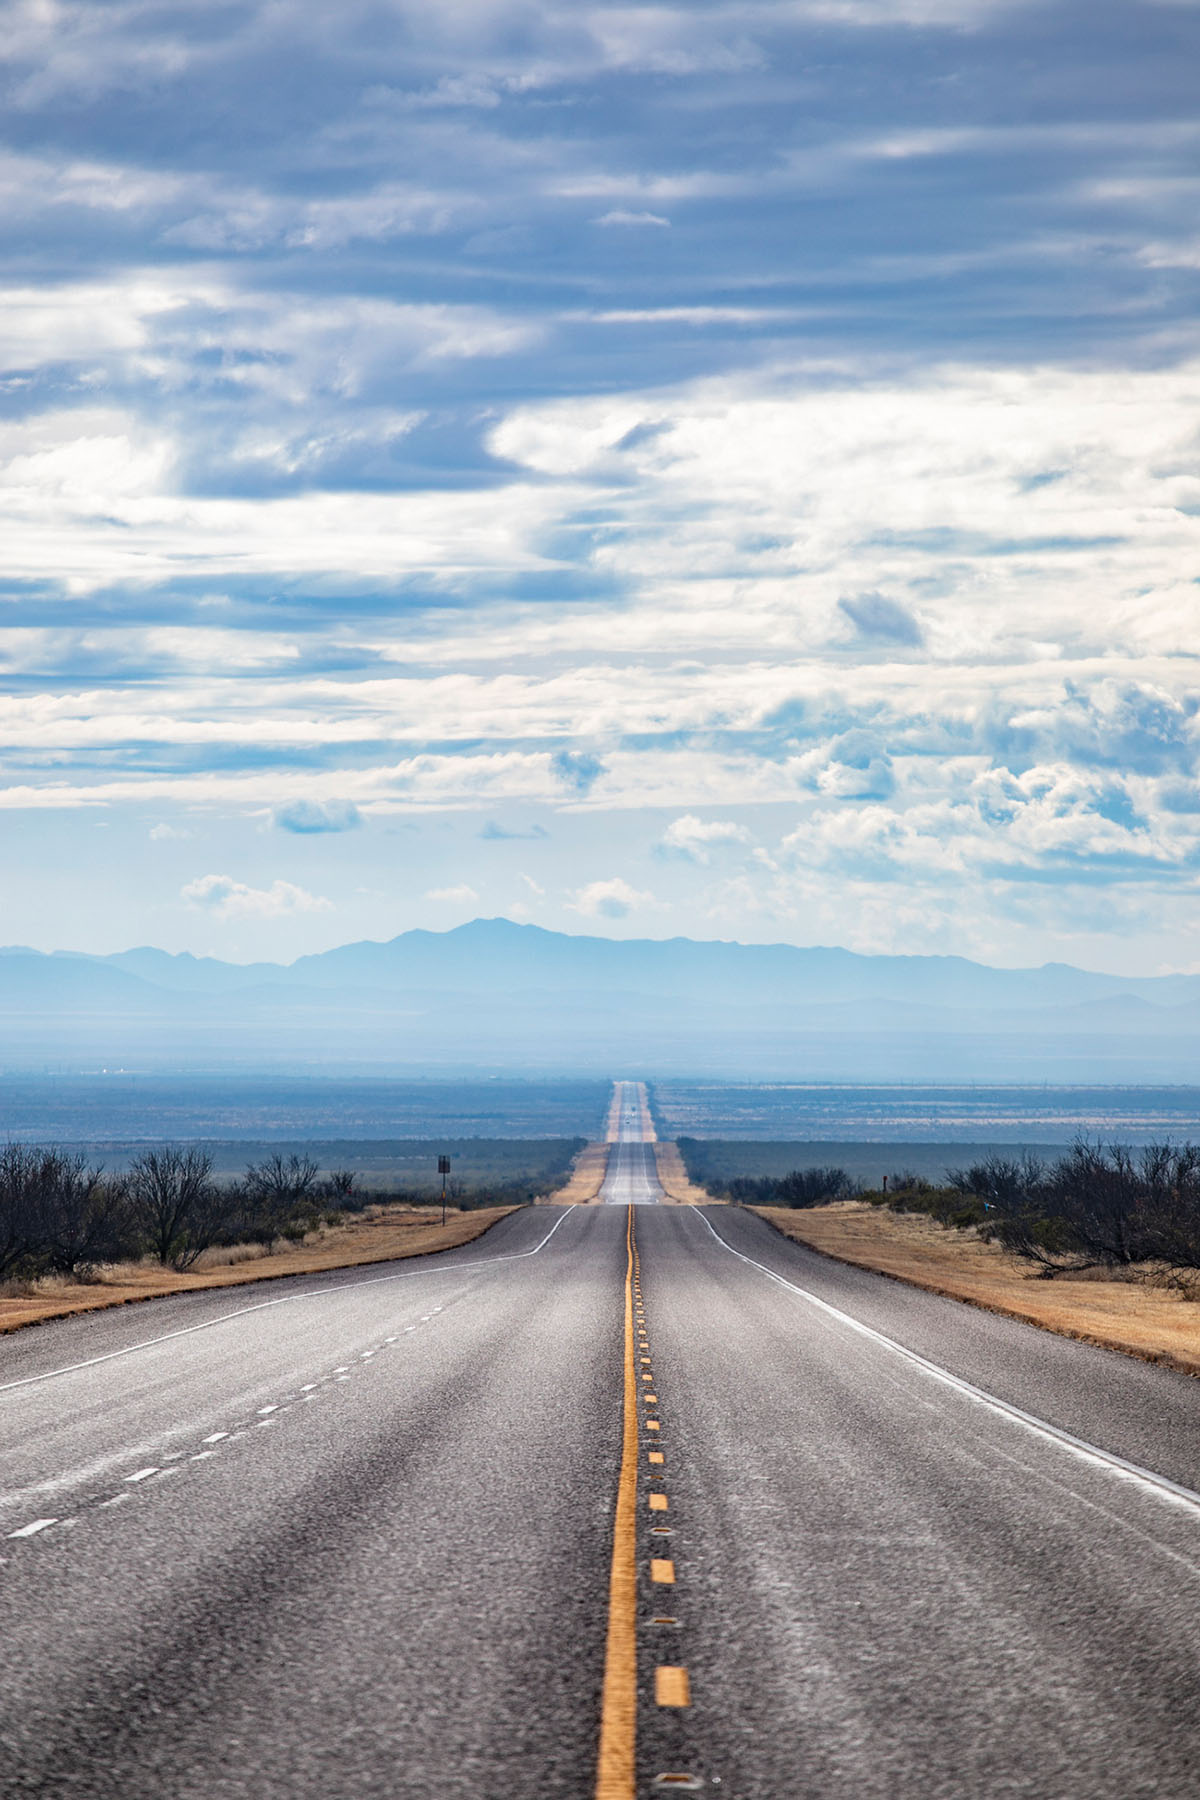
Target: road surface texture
419 1531
632 1178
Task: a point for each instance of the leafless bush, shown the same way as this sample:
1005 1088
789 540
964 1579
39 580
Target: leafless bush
281 1196
58 1214
177 1208
1099 1206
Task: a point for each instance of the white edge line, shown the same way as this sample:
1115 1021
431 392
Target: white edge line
1159 1485
479 1262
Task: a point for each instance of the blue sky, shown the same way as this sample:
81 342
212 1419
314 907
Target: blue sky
724 469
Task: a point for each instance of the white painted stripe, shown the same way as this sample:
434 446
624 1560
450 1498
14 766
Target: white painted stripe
214 1437
481 1262
143 1474
264 1410
1161 1486
32 1529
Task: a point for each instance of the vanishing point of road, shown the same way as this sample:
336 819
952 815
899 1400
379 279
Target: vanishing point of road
619 1500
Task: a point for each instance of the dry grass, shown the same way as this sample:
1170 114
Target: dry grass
612 1129
1143 1317
649 1135
588 1170
380 1234
674 1178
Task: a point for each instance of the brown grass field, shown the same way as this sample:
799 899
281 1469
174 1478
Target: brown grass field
586 1179
380 1234
649 1135
1143 1316
612 1129
674 1178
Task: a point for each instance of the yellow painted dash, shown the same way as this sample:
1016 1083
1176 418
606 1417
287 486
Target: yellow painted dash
658 1503
671 1686
662 1570
656 1456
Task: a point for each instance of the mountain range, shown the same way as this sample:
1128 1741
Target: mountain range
497 994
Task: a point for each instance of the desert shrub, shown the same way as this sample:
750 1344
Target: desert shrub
58 1213
280 1198
177 1209
800 1187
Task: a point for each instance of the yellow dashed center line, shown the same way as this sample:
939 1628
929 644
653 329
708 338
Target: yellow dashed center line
662 1570
658 1503
618 1704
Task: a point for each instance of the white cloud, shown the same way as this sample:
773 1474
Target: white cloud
228 899
313 817
620 217
163 833
696 838
613 899
462 895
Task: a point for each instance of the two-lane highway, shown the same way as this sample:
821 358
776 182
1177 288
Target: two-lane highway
632 1178
366 1535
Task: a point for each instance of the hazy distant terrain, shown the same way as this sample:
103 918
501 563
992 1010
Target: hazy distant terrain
493 995
351 1118
911 1118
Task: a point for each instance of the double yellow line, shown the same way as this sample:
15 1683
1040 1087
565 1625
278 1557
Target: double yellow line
618 1702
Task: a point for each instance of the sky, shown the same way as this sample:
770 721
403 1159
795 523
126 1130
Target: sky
723 469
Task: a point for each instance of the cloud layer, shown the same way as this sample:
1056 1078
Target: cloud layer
743 458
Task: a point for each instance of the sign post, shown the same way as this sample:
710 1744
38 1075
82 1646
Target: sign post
443 1171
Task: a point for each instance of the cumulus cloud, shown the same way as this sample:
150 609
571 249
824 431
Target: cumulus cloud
696 839
163 833
578 770
308 818
229 899
877 618
462 895
613 899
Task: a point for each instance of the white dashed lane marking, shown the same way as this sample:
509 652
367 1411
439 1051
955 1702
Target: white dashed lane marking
264 1417
32 1529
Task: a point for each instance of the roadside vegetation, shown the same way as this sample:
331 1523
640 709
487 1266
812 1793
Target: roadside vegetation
64 1218
1100 1207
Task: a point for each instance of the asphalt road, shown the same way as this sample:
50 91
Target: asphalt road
350 1536
632 1178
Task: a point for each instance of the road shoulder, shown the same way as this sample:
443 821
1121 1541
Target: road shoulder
391 1234
1142 1321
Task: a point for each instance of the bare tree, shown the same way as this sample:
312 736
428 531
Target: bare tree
281 1191
58 1213
178 1210
340 1186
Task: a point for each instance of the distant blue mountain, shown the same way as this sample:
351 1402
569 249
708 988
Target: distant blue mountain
514 995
